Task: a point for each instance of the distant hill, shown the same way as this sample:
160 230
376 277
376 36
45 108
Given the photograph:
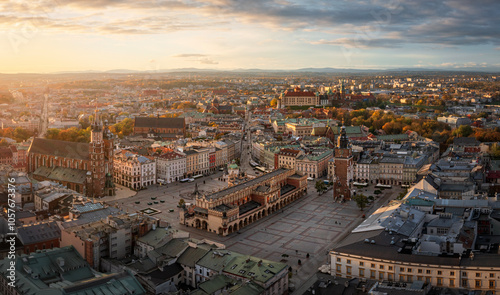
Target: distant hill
301 70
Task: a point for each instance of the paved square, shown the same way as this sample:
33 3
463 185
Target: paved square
311 224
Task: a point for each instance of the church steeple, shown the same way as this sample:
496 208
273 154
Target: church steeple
343 141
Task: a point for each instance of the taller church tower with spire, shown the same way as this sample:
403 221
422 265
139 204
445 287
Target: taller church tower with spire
343 168
100 179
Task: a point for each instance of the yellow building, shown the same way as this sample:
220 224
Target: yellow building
384 256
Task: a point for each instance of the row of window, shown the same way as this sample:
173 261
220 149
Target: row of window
409 278
410 270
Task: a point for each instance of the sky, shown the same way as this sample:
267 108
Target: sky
46 36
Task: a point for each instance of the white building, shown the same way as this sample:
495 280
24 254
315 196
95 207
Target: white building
148 170
133 171
171 166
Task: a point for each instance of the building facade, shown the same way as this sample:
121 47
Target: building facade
134 171
171 166
298 98
230 209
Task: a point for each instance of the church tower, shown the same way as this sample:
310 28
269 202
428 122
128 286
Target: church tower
97 161
109 186
343 168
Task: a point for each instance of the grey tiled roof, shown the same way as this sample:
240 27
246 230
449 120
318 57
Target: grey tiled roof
39 232
62 174
60 148
191 256
147 122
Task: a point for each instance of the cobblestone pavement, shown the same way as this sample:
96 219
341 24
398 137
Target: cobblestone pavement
310 225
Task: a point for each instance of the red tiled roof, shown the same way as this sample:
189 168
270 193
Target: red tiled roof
170 155
5 152
288 151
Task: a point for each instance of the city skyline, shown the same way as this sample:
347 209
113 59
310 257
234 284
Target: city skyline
52 36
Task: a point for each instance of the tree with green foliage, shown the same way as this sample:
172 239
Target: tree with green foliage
402 194
361 200
320 186
463 131
495 151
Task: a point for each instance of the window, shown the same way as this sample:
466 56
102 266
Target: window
381 267
478 284
409 270
373 265
381 276
339 267
439 272
348 261
492 275
452 282
439 281
419 270
372 274
478 274
428 271
492 284
401 278
464 274
338 259
348 270
452 273
464 283
390 267
361 272
401 269
390 277
361 263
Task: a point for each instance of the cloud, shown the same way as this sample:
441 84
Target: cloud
359 23
201 58
190 55
207 61
454 65
362 43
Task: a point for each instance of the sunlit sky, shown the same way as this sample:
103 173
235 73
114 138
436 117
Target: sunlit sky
78 35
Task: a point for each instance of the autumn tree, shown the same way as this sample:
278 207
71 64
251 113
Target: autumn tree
123 128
